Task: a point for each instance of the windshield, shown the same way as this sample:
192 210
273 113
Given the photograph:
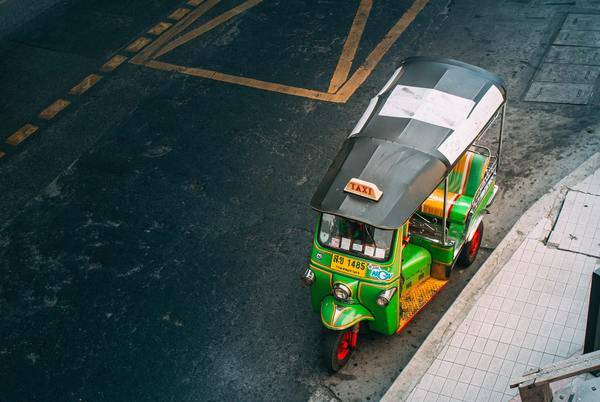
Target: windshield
355 237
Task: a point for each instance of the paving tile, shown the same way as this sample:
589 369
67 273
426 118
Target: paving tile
437 384
444 369
472 392
455 372
484 394
466 375
418 395
478 377
507 367
473 359
533 315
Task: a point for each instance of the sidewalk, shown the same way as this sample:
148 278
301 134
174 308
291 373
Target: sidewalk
525 308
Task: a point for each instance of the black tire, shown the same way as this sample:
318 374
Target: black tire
471 248
333 343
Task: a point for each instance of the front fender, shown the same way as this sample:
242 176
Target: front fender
339 316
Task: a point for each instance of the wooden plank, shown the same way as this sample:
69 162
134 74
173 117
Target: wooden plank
21 134
85 85
194 3
113 63
529 392
2 154
56 107
563 369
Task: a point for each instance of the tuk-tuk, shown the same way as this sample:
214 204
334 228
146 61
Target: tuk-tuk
404 200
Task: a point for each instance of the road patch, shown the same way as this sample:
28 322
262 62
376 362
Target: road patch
571 66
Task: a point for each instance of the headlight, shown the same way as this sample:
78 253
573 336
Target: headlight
308 278
385 297
341 292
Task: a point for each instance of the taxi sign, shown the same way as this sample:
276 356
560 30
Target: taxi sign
363 189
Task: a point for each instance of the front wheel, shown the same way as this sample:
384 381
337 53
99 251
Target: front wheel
471 248
338 347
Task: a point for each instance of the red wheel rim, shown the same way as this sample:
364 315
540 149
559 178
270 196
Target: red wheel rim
345 345
474 246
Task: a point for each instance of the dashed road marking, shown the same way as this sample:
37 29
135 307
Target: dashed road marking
86 84
113 63
56 107
340 88
138 44
178 14
21 134
159 28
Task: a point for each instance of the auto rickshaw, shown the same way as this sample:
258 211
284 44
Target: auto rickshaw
403 200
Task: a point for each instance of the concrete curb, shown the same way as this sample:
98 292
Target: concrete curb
546 207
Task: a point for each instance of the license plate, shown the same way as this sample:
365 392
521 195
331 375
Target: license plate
347 265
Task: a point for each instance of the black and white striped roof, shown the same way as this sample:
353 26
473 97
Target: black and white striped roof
412 133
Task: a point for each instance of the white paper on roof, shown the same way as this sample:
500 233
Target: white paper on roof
467 131
428 105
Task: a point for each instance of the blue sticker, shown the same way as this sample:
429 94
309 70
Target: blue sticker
377 272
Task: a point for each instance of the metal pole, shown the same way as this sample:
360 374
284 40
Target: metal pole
444 234
592 330
501 134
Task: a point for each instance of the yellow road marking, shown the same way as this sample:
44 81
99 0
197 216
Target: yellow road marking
350 46
159 28
162 45
138 44
215 22
86 84
53 109
194 3
21 134
248 82
179 13
363 72
185 22
113 63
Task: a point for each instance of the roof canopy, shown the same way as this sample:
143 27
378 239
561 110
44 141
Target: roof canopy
407 141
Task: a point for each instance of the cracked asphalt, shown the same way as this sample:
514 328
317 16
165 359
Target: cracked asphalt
153 233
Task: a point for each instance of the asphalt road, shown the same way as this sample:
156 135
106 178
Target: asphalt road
152 234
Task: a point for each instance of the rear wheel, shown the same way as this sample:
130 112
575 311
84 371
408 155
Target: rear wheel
471 248
338 347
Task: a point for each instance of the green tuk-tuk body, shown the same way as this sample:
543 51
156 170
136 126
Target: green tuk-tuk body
403 200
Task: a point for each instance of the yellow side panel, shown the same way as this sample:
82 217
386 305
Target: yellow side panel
416 298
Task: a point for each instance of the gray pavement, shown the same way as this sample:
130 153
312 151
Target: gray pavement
519 313
152 234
